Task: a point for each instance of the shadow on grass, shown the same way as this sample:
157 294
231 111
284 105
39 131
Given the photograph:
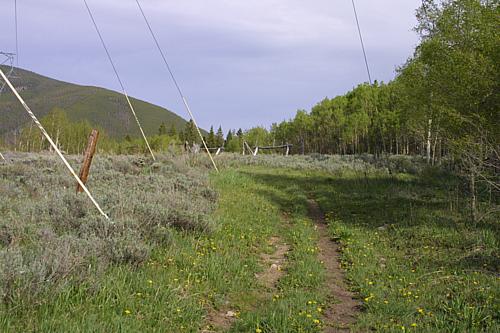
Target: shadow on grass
415 211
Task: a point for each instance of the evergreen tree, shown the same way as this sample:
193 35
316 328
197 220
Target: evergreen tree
229 137
172 131
190 134
211 141
162 130
219 137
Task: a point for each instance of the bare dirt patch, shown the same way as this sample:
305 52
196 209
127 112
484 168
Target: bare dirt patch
221 321
273 263
341 313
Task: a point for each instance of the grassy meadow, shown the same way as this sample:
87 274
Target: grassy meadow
190 250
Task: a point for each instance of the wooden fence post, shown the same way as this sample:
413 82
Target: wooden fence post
87 162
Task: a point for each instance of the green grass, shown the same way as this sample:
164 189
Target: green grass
297 303
192 274
407 248
414 258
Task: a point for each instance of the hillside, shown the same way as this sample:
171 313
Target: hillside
101 107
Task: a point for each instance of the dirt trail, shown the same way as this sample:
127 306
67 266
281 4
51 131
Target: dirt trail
273 263
343 309
221 321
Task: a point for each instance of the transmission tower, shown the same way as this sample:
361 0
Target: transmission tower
7 61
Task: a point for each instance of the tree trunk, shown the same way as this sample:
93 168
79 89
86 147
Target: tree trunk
429 141
473 201
434 149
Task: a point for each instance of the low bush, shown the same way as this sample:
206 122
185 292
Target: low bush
50 236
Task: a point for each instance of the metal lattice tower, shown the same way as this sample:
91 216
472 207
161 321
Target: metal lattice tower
7 60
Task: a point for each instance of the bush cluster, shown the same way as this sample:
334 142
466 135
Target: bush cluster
51 237
332 163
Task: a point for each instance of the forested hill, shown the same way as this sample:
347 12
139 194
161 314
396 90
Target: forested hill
103 108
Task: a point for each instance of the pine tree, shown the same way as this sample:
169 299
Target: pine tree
229 137
219 138
211 142
190 134
172 131
162 130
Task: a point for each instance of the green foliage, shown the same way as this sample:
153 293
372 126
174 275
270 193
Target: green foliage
229 136
234 146
443 101
211 141
257 136
162 130
101 108
219 137
190 134
70 136
172 131
367 119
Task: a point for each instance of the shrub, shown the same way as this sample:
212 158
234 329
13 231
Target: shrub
51 237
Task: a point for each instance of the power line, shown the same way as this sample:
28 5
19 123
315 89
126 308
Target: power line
362 42
16 29
179 90
118 77
54 146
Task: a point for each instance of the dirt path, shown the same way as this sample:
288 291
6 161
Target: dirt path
221 321
343 308
273 264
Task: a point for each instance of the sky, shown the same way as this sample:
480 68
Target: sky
240 63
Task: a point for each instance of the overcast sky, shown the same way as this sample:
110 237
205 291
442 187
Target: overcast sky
240 63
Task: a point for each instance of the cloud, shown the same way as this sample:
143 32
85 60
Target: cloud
240 62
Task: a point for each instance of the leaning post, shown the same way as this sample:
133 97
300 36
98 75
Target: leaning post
87 162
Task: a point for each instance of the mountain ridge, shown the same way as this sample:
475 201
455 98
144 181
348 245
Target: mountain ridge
103 108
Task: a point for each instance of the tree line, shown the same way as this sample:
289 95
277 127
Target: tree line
71 137
444 99
443 102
